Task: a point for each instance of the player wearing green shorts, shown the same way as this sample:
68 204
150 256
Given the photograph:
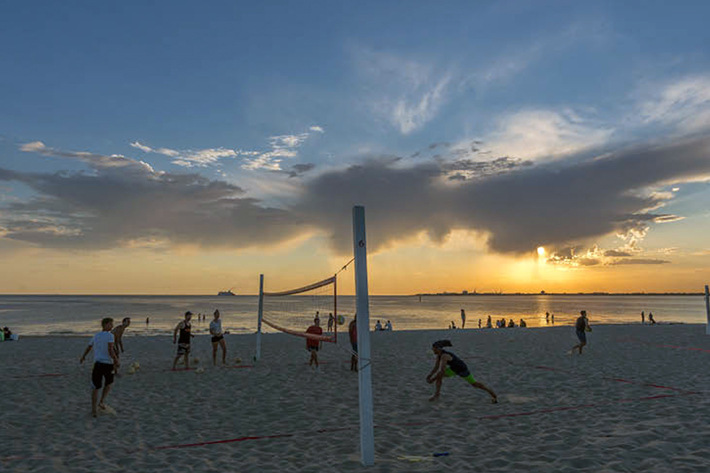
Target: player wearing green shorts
448 365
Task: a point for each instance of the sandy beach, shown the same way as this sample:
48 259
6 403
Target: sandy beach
636 400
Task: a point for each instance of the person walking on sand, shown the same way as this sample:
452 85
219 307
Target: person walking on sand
447 365
118 335
651 319
547 317
489 324
352 332
105 361
643 318
314 345
147 321
185 329
218 339
331 321
463 318
581 327
552 319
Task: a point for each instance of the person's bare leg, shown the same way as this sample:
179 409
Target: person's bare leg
438 380
478 385
176 361
315 357
187 360
223 344
581 345
94 401
214 353
353 363
104 394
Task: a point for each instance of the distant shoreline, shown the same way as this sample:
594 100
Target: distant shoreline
560 294
437 294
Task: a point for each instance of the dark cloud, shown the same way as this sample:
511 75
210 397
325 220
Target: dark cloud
638 261
469 168
108 207
299 169
616 253
518 206
554 205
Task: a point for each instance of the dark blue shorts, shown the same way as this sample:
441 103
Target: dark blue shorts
582 336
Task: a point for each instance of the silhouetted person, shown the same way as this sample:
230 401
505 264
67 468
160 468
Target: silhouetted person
581 327
643 318
650 318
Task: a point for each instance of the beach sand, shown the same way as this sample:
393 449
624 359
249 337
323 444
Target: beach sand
636 400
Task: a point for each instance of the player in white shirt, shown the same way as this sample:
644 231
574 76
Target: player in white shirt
218 339
105 362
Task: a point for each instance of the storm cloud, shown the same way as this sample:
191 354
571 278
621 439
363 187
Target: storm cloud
553 205
517 206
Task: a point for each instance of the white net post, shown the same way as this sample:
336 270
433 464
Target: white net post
367 430
707 310
260 316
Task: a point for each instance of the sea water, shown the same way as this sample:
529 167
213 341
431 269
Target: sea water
81 315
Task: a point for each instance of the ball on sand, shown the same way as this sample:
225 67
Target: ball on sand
200 370
131 370
237 361
136 366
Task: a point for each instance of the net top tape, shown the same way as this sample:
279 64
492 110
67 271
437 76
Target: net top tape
310 287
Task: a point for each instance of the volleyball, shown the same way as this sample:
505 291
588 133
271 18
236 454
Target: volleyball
341 319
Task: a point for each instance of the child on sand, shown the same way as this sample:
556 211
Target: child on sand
448 365
185 329
105 360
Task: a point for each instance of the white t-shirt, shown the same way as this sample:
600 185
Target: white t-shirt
100 343
216 327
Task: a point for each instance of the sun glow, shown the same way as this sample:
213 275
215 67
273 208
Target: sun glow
541 251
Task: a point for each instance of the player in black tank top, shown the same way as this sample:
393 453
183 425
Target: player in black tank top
447 365
185 329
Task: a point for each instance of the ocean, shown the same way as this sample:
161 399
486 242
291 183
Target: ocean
81 315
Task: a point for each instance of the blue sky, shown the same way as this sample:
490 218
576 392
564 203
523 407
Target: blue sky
274 97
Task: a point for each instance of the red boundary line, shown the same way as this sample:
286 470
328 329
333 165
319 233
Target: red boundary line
411 424
407 424
45 375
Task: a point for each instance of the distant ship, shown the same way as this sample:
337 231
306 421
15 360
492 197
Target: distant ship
226 293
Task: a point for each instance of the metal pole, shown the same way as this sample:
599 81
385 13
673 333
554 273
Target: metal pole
257 357
335 307
707 309
367 431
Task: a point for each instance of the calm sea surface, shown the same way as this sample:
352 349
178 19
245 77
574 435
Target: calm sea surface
80 315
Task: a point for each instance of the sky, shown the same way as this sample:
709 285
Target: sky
182 148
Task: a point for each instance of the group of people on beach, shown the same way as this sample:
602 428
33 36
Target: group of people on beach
108 347
651 320
380 328
184 340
